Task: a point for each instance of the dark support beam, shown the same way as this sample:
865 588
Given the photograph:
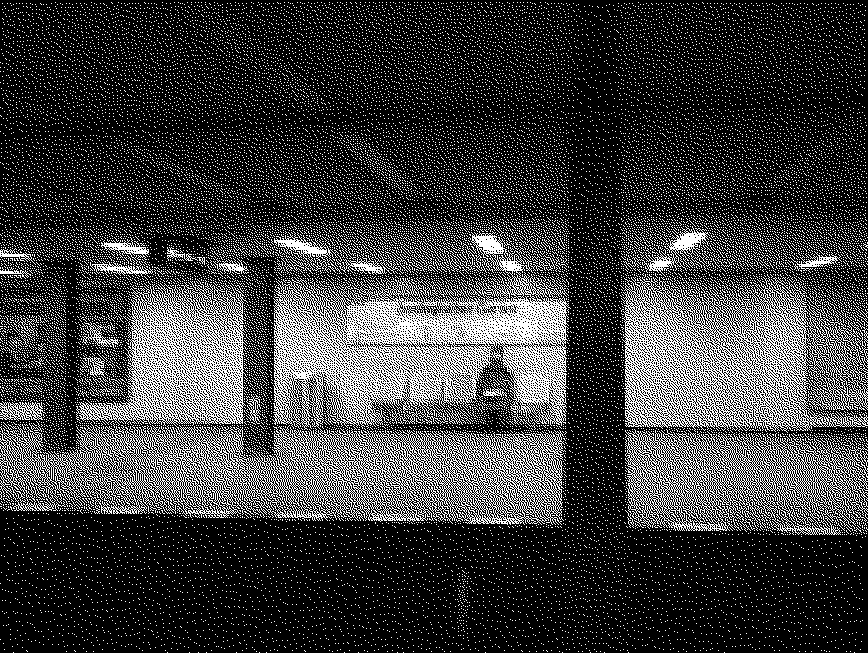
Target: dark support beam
258 361
59 417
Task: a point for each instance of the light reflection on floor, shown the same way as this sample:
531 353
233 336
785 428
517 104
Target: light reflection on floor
202 472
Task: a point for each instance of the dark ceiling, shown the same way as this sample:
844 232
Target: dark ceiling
330 123
406 199
392 134
746 122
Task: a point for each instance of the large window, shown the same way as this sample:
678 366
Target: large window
410 351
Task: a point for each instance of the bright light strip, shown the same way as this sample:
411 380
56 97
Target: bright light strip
5 254
510 266
301 516
368 268
302 247
294 244
660 265
803 530
488 243
396 518
13 273
687 241
118 268
124 247
173 253
699 527
232 267
209 513
823 260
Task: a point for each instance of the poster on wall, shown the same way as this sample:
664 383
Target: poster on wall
411 322
103 374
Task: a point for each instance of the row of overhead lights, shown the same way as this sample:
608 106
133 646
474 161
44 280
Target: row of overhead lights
128 248
490 244
818 262
692 239
104 267
687 241
313 250
486 243
13 255
123 269
297 245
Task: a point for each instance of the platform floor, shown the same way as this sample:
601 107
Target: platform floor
744 481
748 481
356 475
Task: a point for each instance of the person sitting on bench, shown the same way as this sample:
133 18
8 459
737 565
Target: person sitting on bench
495 391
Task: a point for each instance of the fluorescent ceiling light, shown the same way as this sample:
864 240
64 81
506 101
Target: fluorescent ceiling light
302 516
121 510
368 268
118 268
823 260
13 273
488 243
126 247
687 241
184 256
233 267
510 266
302 247
6 254
699 527
807 530
660 265
295 244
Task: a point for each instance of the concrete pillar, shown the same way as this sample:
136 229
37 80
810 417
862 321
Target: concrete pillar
258 361
60 284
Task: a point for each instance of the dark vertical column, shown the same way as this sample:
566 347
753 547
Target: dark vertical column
258 362
60 287
595 499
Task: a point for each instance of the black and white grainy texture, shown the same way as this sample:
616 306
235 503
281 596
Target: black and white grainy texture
745 122
423 123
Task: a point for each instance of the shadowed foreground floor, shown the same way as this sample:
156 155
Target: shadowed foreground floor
748 481
403 475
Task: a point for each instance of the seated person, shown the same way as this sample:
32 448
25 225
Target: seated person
495 390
